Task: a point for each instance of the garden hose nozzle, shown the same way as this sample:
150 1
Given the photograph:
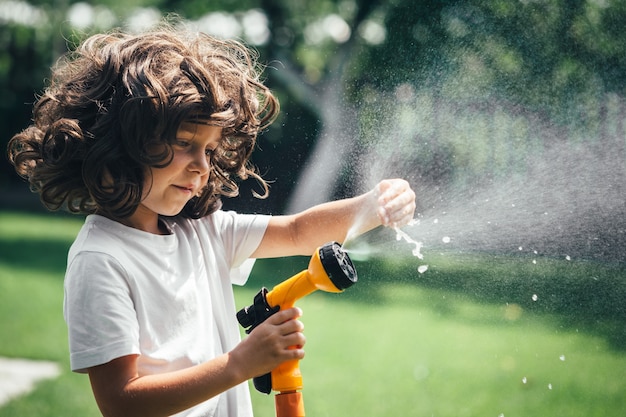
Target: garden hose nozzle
330 269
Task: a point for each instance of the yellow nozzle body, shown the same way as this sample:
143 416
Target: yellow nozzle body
303 283
329 270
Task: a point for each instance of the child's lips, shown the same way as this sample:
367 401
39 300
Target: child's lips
185 188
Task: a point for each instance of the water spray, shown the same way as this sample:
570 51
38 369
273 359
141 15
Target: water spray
330 269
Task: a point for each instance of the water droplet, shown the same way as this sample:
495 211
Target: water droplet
418 245
520 248
422 268
534 297
534 261
524 380
446 239
567 258
549 386
420 372
436 221
562 357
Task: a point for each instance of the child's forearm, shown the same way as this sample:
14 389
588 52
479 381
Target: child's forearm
390 203
334 221
120 391
302 233
162 394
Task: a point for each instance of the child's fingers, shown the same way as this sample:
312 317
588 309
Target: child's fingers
288 327
396 202
400 216
295 341
291 326
292 339
392 190
285 315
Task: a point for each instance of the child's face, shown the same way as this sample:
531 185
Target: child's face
168 189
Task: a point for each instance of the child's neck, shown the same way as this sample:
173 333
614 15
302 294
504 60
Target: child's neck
154 225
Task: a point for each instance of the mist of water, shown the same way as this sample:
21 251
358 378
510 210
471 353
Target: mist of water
556 190
569 200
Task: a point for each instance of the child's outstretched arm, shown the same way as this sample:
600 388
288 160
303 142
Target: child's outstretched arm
120 391
391 203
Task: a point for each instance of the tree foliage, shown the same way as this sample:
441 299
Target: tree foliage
556 58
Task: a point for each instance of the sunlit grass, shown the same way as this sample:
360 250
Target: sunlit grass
463 339
32 260
415 359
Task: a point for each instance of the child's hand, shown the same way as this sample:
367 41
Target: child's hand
276 340
395 202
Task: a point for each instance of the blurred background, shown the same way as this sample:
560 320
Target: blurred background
468 100
507 117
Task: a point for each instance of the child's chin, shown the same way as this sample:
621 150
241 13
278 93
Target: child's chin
172 213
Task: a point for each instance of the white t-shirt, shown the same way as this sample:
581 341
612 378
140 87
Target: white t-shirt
168 299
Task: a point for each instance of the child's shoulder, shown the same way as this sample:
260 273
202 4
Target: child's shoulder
220 223
101 234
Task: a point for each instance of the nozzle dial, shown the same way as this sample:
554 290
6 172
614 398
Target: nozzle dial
338 265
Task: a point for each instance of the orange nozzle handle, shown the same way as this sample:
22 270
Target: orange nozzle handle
287 375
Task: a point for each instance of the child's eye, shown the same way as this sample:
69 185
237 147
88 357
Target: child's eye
182 143
209 152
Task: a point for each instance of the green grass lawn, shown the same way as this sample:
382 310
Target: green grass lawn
466 338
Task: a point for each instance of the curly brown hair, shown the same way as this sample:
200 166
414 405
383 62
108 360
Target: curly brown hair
117 95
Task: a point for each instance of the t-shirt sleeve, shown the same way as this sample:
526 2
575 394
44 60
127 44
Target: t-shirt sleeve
99 311
241 235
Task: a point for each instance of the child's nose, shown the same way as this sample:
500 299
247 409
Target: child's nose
200 163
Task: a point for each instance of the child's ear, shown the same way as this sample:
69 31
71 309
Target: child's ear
107 179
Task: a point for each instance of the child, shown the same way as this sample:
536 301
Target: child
144 134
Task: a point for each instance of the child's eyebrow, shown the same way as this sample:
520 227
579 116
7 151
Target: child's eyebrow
188 126
185 129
